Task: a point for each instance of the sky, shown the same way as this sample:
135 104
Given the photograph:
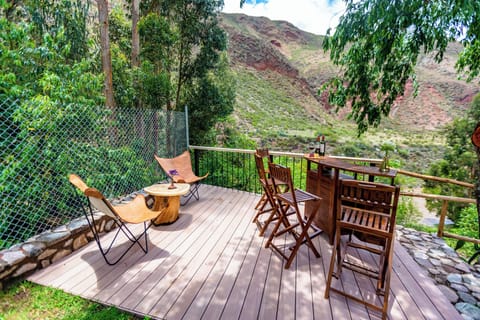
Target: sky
314 16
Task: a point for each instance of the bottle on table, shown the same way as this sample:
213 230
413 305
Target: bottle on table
322 146
317 145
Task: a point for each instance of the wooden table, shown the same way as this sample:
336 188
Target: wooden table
167 201
323 181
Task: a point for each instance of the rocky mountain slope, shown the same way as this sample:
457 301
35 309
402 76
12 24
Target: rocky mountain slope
289 59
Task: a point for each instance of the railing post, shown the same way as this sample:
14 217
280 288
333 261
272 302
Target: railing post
196 156
443 214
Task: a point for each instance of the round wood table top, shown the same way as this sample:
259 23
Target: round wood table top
163 189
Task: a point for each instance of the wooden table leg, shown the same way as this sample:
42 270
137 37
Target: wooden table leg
169 207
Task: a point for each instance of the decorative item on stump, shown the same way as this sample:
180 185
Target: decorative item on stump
172 173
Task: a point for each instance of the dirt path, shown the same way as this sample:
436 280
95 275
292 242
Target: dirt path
429 218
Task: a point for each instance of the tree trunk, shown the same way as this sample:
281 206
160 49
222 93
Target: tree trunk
106 55
135 36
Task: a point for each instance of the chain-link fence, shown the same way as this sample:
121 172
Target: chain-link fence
111 150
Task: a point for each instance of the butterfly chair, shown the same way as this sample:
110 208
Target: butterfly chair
366 214
286 200
134 212
180 170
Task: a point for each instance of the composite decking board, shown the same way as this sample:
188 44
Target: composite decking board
422 284
209 273
160 279
71 275
238 292
321 306
233 275
218 272
108 282
196 270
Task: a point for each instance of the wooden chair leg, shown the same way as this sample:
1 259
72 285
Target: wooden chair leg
299 241
333 257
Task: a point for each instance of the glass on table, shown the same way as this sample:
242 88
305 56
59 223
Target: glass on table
311 147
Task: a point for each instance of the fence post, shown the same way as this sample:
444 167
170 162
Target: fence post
443 214
196 156
186 127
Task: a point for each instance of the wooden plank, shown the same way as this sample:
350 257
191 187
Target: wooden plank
321 306
108 281
432 303
163 247
197 294
233 306
70 272
151 285
213 265
221 294
198 270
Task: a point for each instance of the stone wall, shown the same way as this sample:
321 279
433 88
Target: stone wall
42 250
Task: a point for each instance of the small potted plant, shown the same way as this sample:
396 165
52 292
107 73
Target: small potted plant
386 147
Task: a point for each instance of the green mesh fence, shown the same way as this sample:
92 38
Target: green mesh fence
111 150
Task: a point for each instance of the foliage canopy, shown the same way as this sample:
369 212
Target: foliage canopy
377 44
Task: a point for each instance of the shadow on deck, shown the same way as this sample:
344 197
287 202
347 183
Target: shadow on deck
211 264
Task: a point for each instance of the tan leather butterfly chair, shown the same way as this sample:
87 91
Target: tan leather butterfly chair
181 167
133 212
366 213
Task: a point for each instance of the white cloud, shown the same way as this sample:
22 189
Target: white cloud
314 16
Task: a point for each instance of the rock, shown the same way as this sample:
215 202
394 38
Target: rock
60 254
463 267
455 278
450 294
465 297
469 310
459 287
13 257
33 249
24 268
51 238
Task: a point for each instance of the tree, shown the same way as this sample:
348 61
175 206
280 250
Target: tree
105 52
377 44
135 35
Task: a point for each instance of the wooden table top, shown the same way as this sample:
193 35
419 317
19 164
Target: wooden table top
348 166
163 190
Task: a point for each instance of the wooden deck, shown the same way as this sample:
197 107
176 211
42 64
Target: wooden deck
211 264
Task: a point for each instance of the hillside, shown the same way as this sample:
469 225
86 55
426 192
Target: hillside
280 69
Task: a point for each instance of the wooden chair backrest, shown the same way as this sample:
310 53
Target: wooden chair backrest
260 167
369 196
282 176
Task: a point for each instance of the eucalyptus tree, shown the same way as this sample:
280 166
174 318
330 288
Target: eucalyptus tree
182 42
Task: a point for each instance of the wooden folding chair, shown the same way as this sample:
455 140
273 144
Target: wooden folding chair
267 204
133 212
180 170
366 213
263 153
286 200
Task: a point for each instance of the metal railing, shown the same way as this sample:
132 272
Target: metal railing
111 150
235 168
